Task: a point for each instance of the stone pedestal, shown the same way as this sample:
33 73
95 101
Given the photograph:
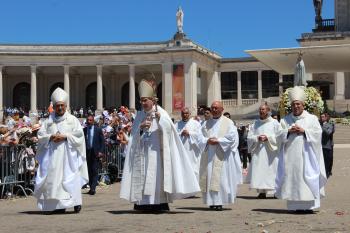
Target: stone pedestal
179 36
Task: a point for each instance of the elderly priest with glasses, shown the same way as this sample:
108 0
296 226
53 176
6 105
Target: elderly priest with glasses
301 175
62 162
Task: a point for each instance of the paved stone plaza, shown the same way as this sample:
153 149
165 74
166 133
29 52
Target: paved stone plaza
105 212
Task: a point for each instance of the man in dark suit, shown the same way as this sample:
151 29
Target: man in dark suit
95 145
328 130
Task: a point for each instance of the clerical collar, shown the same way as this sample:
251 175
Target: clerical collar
60 118
216 118
267 119
153 109
302 115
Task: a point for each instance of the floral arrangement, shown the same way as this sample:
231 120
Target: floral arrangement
313 103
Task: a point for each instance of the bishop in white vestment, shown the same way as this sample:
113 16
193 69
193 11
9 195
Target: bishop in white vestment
62 163
190 131
220 168
157 169
263 144
301 173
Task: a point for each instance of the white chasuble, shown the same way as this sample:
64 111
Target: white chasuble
62 166
301 173
157 168
191 142
263 167
220 171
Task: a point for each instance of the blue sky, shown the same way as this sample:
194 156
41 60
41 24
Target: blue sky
226 26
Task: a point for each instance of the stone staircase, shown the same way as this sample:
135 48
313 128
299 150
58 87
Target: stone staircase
342 134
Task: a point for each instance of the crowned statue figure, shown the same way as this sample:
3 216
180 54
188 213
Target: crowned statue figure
299 73
179 20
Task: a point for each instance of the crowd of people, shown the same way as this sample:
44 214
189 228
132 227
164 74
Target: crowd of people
289 159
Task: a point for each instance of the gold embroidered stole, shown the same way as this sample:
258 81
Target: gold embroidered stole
218 158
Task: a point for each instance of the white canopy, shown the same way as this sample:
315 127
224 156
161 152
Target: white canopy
317 59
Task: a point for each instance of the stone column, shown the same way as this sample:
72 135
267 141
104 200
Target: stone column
33 94
239 87
78 89
191 86
280 88
99 97
214 87
339 80
132 86
167 86
260 85
1 96
66 84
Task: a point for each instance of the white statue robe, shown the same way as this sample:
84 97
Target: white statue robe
62 166
301 175
220 168
263 166
191 142
157 168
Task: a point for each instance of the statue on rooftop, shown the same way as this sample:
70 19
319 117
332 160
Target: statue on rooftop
318 11
179 20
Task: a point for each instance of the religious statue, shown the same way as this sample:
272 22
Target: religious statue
179 20
318 11
299 74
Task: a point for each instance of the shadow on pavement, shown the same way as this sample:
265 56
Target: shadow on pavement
275 211
38 212
247 197
118 212
200 208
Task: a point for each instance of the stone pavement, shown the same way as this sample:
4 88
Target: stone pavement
105 212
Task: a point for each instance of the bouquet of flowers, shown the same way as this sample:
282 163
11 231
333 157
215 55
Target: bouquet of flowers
313 103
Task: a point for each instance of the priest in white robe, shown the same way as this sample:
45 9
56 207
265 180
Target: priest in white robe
263 144
301 173
189 131
220 168
157 169
62 161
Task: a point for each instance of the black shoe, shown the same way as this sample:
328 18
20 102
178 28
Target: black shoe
92 192
218 208
164 207
77 208
262 196
212 207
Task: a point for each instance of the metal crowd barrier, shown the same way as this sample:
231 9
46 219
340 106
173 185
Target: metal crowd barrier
112 162
15 175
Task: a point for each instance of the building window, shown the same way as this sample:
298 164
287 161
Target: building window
270 81
288 80
91 96
21 96
125 96
249 84
229 85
